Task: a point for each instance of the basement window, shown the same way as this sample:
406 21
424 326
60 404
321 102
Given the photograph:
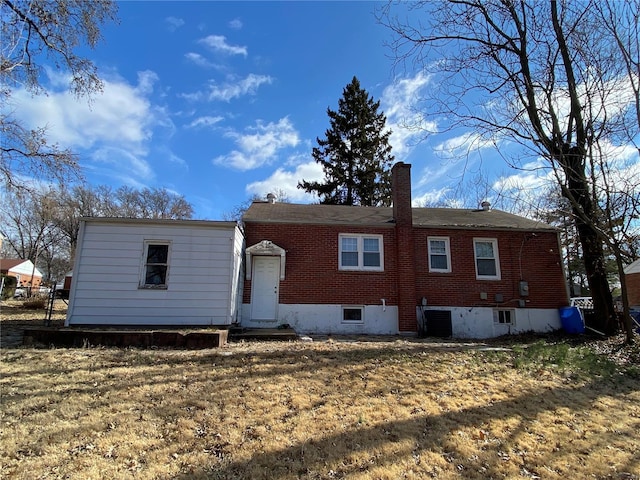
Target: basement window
504 317
155 268
352 315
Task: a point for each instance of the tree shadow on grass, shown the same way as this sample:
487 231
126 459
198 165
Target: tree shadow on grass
351 450
405 441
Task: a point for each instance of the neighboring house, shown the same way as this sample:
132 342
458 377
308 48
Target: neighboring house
156 272
23 270
351 270
632 274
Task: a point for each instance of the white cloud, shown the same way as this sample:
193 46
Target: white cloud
531 177
287 181
462 145
245 86
622 170
199 60
122 165
191 97
218 43
121 115
235 24
206 121
112 133
174 23
437 196
407 124
260 145
146 81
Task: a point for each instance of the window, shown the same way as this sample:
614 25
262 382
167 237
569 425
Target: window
504 317
486 255
360 252
352 315
156 265
439 254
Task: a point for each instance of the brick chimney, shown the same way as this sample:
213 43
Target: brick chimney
405 253
401 193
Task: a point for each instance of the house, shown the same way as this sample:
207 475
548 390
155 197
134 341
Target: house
156 272
334 269
325 269
632 275
25 271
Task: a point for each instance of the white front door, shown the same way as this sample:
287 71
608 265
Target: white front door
264 288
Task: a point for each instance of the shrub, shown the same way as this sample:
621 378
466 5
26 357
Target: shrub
35 303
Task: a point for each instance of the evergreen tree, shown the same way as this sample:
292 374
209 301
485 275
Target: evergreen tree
355 154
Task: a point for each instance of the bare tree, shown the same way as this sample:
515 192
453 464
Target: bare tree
150 203
72 205
622 20
236 213
103 201
545 74
28 227
36 33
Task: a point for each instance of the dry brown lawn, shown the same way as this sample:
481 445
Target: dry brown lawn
342 408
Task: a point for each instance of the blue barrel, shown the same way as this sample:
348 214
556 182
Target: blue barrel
571 320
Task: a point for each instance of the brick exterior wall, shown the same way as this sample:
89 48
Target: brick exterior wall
633 289
311 272
537 256
312 275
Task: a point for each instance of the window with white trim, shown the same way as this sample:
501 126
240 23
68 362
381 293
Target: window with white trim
504 317
155 266
352 315
360 252
439 254
485 251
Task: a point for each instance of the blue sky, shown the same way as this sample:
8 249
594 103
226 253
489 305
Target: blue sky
220 101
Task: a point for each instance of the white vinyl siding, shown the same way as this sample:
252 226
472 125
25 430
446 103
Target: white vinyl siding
201 278
487 261
360 252
439 254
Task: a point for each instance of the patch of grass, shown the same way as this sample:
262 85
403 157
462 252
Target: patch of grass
384 409
562 357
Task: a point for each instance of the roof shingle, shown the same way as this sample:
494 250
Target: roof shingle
380 216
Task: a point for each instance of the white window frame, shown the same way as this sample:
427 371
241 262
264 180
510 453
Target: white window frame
353 307
447 253
496 258
360 250
143 267
502 312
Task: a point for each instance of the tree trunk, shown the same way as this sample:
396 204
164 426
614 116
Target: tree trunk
585 214
626 310
605 316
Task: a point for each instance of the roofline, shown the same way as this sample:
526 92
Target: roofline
161 221
392 224
389 224
489 227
